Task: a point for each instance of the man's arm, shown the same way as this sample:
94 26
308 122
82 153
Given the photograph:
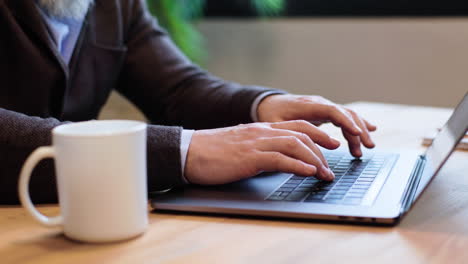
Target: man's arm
19 136
171 90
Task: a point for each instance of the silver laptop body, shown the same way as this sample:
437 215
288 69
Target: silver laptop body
379 188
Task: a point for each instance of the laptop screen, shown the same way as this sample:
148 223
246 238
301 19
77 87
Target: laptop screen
445 142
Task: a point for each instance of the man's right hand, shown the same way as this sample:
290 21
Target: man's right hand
218 156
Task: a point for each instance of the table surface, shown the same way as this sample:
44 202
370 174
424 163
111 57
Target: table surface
434 231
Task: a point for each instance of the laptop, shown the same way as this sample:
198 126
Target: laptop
378 188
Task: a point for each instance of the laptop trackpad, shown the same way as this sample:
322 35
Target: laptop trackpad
256 188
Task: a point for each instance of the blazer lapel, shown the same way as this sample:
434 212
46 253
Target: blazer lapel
28 16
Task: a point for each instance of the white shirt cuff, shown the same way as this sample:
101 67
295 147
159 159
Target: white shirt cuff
256 102
185 139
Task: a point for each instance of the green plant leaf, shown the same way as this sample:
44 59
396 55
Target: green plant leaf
178 17
268 7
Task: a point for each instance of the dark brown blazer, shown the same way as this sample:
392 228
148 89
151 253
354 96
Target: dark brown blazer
120 47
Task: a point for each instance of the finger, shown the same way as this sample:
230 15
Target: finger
365 136
370 127
295 148
354 144
314 133
304 138
275 161
340 117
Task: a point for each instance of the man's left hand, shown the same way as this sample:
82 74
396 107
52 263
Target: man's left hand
318 110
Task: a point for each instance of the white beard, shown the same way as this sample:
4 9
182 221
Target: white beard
75 9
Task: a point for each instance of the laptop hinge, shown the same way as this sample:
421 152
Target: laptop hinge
412 185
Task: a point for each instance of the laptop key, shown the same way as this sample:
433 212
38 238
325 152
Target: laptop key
294 181
346 181
353 192
334 201
359 188
368 176
289 185
334 196
295 177
362 184
276 198
314 199
310 180
296 196
303 189
364 180
344 184
316 196
338 192
355 195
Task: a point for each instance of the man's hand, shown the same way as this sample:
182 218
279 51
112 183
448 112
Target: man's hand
318 110
224 155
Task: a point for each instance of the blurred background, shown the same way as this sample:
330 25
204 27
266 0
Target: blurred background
400 51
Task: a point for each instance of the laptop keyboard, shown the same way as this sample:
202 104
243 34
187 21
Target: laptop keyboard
353 178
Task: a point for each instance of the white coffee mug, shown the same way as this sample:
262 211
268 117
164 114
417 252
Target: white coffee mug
101 179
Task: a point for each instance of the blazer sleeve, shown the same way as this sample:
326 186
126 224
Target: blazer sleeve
21 134
168 88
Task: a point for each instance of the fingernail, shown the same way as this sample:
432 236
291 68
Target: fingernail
334 140
358 153
327 174
358 129
312 170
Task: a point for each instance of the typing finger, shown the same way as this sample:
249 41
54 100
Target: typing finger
304 138
370 127
340 117
365 136
354 144
293 147
313 132
275 161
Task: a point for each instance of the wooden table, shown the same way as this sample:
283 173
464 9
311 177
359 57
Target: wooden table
434 231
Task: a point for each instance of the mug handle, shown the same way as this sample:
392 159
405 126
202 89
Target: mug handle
23 186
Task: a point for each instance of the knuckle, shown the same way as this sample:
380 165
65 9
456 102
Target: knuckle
258 158
352 112
292 142
302 123
276 158
302 166
254 129
334 108
304 137
337 108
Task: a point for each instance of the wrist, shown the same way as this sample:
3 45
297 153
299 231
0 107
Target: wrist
192 165
266 108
